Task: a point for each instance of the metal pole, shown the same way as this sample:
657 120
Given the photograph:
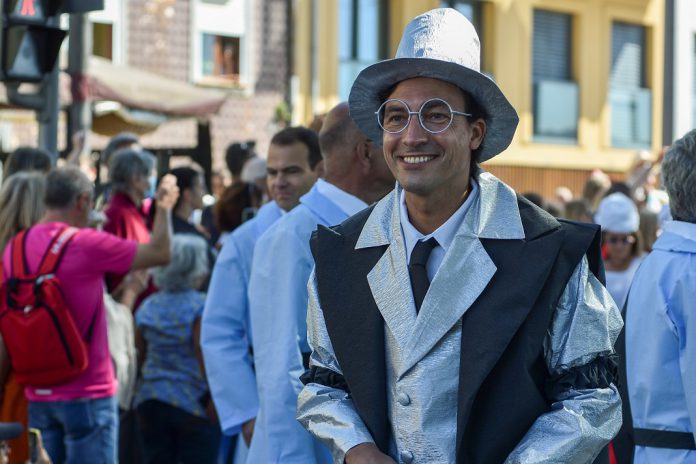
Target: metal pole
78 58
48 116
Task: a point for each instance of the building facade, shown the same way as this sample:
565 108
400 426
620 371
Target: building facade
586 76
239 48
680 69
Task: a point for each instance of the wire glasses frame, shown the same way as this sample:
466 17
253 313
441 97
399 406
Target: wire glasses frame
434 116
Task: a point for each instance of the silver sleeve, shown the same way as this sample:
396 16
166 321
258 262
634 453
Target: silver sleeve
328 413
581 422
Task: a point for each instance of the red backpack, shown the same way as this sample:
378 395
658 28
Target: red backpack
41 337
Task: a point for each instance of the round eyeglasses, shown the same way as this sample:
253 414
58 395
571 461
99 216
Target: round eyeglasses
434 115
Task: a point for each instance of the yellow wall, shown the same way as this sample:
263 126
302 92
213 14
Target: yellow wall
592 20
507 38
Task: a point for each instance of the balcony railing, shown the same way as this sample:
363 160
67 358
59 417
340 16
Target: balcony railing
555 111
631 110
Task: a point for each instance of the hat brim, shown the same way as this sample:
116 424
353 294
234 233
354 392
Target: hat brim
364 99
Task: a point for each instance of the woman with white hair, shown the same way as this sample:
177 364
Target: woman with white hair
621 247
173 404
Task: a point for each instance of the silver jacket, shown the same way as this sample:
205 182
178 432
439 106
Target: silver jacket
422 352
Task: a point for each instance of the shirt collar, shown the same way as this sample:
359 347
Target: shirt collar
443 234
681 228
348 203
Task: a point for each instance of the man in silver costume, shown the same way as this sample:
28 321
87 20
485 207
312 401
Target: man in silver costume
454 321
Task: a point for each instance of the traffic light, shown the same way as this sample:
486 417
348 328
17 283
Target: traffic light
31 39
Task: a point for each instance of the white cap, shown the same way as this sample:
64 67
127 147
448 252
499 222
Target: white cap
253 170
618 214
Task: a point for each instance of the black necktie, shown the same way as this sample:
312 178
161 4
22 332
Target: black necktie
418 272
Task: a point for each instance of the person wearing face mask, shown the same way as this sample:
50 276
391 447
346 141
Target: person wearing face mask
618 216
126 213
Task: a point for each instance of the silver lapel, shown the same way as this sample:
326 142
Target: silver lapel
389 280
462 277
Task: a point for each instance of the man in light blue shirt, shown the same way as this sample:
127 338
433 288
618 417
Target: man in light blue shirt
293 158
661 325
355 175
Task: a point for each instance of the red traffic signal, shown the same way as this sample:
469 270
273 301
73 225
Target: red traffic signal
30 40
31 11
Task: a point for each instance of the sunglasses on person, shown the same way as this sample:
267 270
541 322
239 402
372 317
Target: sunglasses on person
625 240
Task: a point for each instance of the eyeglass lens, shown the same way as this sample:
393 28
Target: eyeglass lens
435 115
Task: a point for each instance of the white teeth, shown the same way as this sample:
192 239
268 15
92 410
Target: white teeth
417 159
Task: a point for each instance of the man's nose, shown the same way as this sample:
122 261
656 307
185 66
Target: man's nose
281 179
414 133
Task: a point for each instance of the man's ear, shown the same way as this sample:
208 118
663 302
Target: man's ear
84 201
362 152
478 132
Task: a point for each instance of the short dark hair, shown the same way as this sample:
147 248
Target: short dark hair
237 154
27 159
185 177
64 185
308 137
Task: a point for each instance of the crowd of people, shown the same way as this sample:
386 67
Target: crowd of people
363 293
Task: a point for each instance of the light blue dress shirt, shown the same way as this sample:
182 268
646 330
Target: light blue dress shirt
278 307
225 334
661 341
443 234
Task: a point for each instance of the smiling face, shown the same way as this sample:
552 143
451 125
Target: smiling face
432 166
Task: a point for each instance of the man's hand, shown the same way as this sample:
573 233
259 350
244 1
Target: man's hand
248 431
167 192
367 453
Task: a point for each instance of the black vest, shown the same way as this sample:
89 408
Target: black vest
504 385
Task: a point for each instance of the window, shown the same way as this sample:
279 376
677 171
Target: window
102 40
220 57
555 94
629 99
362 39
222 48
469 8
108 27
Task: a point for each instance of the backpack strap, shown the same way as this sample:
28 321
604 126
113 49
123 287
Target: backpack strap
56 250
19 269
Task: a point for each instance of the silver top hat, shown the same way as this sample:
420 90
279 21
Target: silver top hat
440 44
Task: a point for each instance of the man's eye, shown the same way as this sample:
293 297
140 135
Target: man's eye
436 117
394 118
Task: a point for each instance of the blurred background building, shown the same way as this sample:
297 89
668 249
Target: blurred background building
588 78
595 82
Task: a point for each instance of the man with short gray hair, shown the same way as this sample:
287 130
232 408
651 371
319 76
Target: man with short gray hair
355 175
60 411
661 325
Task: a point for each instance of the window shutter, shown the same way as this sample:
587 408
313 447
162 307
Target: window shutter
630 101
627 46
551 46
